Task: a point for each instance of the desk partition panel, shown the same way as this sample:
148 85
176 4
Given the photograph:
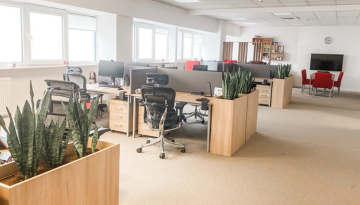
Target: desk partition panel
138 76
261 71
192 81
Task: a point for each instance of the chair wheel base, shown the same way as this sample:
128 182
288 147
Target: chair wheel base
139 150
173 141
183 150
202 121
140 135
162 155
147 141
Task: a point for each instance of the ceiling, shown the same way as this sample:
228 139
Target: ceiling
277 12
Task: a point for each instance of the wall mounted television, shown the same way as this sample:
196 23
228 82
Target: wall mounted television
328 62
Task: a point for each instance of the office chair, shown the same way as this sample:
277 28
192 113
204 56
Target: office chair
159 112
72 70
200 67
80 81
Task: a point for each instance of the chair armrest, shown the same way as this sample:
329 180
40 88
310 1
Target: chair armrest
179 107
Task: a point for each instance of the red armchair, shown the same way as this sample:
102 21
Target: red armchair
190 64
338 82
323 80
305 81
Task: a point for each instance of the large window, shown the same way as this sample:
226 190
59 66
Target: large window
32 35
151 43
189 45
11 34
82 38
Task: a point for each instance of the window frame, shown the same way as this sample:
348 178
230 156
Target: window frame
22 7
26 40
138 25
192 44
50 11
95 43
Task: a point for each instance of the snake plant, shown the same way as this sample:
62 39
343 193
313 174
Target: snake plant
25 134
80 122
283 70
246 81
54 146
238 81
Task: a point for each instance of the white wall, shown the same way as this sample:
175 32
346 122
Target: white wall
106 34
233 30
124 38
300 42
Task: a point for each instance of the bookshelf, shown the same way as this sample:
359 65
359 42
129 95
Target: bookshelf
271 51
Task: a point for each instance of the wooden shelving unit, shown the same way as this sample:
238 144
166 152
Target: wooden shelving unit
270 52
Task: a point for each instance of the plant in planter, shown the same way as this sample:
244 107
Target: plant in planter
25 134
53 145
283 70
80 121
246 81
230 84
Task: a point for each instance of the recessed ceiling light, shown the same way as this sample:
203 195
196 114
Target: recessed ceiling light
187 1
239 19
250 23
282 14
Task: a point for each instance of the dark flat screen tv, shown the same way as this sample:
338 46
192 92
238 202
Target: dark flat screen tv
329 62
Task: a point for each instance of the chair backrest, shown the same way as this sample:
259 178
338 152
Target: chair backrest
74 70
200 67
303 76
80 80
229 61
323 80
341 74
190 64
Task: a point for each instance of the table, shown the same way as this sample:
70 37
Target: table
113 91
312 77
183 97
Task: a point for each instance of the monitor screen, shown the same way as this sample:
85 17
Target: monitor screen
329 62
111 69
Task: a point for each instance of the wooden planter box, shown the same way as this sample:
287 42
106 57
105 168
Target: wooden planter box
282 92
91 180
252 114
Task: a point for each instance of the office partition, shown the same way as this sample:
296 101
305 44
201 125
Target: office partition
192 81
138 76
261 71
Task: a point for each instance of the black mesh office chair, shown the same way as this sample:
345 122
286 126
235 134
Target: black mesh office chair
80 81
72 70
200 67
160 114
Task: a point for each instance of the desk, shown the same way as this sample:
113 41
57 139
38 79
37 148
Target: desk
183 97
113 91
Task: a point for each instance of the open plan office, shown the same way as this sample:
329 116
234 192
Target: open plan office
179 102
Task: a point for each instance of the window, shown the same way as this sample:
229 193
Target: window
189 45
151 43
82 38
46 36
11 34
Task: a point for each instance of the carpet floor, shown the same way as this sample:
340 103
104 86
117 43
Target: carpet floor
307 153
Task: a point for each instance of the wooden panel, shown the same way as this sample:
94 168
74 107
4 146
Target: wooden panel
228 125
91 180
106 90
263 88
264 101
118 125
252 113
264 95
282 92
115 107
143 128
4 195
118 116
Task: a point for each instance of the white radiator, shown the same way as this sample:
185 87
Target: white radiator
5 95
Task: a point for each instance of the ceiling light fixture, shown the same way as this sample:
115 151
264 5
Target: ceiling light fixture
187 1
282 14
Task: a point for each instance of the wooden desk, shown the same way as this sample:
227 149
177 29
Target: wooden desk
182 97
113 91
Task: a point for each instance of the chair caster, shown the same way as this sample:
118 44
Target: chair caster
147 141
183 150
162 155
139 150
173 140
112 131
140 135
184 119
202 121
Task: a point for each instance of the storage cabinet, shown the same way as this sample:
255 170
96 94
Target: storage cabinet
118 117
264 94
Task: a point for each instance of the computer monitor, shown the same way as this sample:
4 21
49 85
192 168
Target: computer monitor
112 69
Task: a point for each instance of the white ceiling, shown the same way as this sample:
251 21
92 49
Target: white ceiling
256 13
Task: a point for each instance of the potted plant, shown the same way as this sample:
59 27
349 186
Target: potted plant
33 145
282 87
232 109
